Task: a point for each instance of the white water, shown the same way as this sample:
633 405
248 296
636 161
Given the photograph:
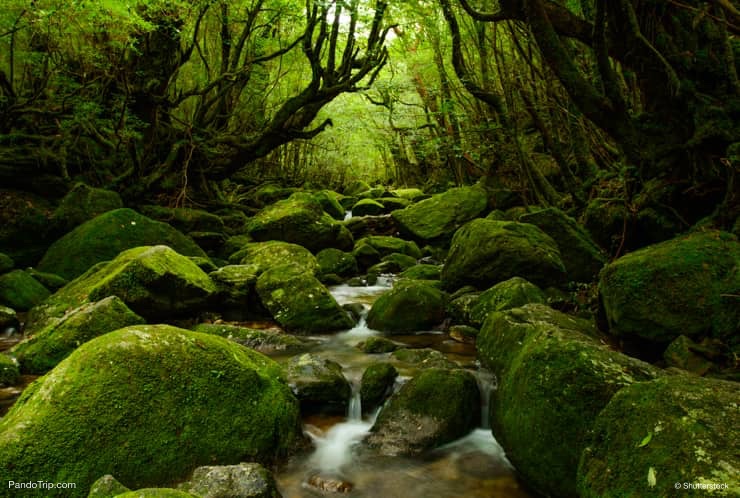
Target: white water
347 215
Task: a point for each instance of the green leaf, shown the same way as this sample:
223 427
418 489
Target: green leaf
645 440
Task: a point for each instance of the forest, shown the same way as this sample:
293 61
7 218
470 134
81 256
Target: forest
440 248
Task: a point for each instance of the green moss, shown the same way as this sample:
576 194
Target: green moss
356 187
393 203
377 381
329 201
9 373
505 295
370 250
48 280
157 402
266 255
423 358
105 236
235 284
81 204
338 262
410 306
6 263
319 383
21 291
377 345
24 225
185 219
107 487
260 340
412 194
156 493
365 207
422 272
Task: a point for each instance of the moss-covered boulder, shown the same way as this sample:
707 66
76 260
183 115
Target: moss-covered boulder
104 237
107 487
654 436
319 384
435 407
393 203
156 493
329 201
9 371
685 286
262 340
21 291
439 216
185 219
246 480
235 286
155 282
376 384
301 220
83 203
370 250
8 319
411 194
410 306
377 345
687 355
299 302
49 280
6 263
422 358
337 262
461 305
158 401
505 295
367 207
356 187
24 224
553 380
485 252
44 350
266 255
583 259
422 272
463 333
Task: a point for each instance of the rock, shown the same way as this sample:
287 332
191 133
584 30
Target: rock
269 193
393 203
435 407
266 255
156 493
604 219
411 194
83 203
397 262
684 286
422 272
460 307
107 487
24 226
185 219
300 220
365 226
45 349
410 306
9 372
505 295
326 484
329 201
652 435
463 333
158 401
582 258
485 252
365 207
8 319
319 384
377 345
49 280
376 384
423 358
105 236
246 480
234 244
438 217
370 250
356 187
299 302
685 354
553 380
235 286
338 262
21 291
264 341
6 263
356 310
155 282
211 242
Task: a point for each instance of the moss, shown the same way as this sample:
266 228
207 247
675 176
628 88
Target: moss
422 272
83 203
319 383
356 187
377 382
461 305
329 201
377 345
6 263
505 295
9 372
410 306
684 428
485 252
24 224
412 194
21 291
185 219
157 401
268 194
423 358
463 333
365 207
48 280
105 236
338 262
8 319
370 250
605 219
107 487
260 340
44 350
235 284
156 493
266 255
439 216
393 203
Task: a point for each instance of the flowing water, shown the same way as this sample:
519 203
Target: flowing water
474 466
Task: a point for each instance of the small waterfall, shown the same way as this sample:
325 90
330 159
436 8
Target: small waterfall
347 215
355 404
486 384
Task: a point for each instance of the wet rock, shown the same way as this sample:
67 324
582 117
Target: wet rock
235 286
82 203
365 207
172 398
411 305
505 295
338 262
423 358
265 341
376 384
463 333
319 384
411 194
461 305
435 407
422 272
107 487
364 226
377 345
21 291
9 372
246 480
329 201
356 310
266 255
393 203
652 435
356 187
329 484
486 252
370 250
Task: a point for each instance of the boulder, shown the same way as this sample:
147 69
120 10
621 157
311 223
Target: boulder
423 358
376 384
6 263
377 345
156 493
83 203
329 201
505 295
422 272
673 436
301 220
411 194
107 487
246 480
269 193
435 407
44 350
158 401
264 341
463 333
104 237
684 286
604 218
235 286
370 250
8 319
687 355
485 252
583 259
266 255
185 219
299 302
367 207
410 306
356 187
393 203
9 372
21 291
461 305
49 280
439 216
337 262
553 380
365 226
319 384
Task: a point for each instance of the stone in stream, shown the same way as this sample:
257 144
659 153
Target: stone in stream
326 484
376 384
423 358
157 401
370 250
435 407
246 480
377 345
653 436
104 237
185 219
337 262
20 291
319 384
8 319
463 333
553 380
156 493
264 341
107 487
511 293
411 305
422 272
365 207
9 372
266 255
485 252
329 201
236 294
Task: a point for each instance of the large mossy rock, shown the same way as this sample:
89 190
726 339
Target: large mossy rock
367 207
369 251
319 384
512 293
329 201
264 341
299 302
337 262
583 259
155 282
44 350
301 220
422 272
185 219
553 380
9 372
439 216
246 480
376 384
24 226
486 252
685 286
105 236
235 285
157 402
156 493
411 305
435 407
266 255
20 291
652 435
83 203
